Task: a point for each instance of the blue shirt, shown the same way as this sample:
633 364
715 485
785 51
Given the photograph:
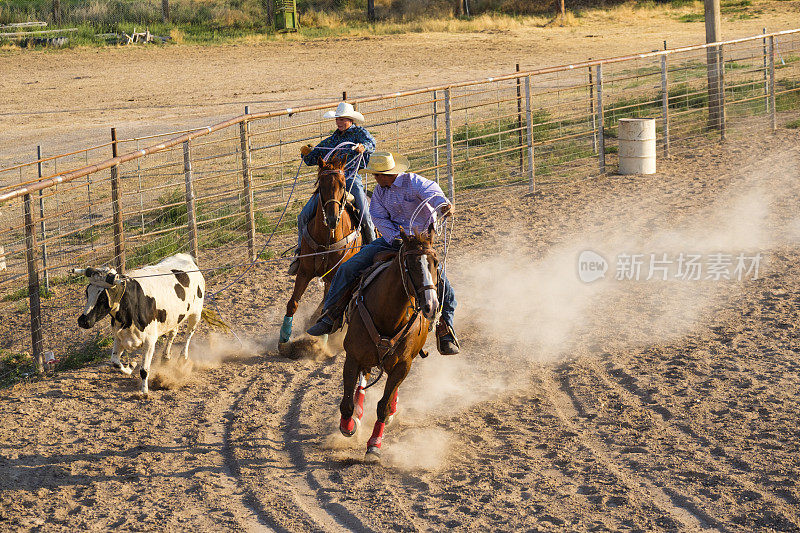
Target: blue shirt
391 207
353 134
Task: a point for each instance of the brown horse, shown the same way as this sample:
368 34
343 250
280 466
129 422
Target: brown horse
330 238
389 319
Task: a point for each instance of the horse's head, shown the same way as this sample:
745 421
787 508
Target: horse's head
331 188
420 273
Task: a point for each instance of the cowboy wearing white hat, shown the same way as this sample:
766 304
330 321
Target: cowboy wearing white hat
401 201
348 130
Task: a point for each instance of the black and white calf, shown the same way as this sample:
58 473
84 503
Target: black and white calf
145 304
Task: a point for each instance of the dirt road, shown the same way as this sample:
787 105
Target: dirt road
618 405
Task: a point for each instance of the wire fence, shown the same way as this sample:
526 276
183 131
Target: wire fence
218 192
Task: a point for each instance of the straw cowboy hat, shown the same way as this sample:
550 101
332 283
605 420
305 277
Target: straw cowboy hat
387 163
345 110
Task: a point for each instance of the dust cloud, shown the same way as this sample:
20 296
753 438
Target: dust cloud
526 310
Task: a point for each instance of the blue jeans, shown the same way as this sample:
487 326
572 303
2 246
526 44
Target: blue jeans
353 184
353 267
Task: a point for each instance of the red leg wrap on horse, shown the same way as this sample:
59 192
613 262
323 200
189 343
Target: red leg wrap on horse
377 435
347 425
360 395
393 405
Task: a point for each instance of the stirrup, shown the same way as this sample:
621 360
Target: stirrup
443 330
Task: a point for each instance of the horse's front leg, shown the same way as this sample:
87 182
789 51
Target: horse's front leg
393 381
349 425
300 284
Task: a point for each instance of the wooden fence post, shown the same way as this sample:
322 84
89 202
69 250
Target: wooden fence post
116 207
529 123
165 10
519 124
722 116
601 140
774 117
244 138
191 212
33 284
591 110
448 124
435 138
665 103
764 66
42 226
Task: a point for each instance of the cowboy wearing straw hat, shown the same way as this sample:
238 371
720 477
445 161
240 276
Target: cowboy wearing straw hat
348 129
401 201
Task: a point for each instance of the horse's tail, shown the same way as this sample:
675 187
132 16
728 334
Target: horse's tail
210 317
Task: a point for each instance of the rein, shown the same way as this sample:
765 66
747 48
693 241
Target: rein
386 345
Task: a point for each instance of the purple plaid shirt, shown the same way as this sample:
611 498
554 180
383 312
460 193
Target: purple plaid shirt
391 207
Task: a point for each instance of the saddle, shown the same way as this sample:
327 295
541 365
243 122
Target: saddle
384 345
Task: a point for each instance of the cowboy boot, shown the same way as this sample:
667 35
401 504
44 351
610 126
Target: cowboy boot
446 340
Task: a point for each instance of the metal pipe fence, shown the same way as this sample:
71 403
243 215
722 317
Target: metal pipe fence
217 192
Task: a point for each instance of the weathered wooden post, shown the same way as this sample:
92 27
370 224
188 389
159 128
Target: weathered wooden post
601 141
42 226
765 68
665 103
774 117
56 11
244 137
519 124
448 124
529 124
435 138
165 10
591 110
191 213
722 116
33 284
116 207
712 18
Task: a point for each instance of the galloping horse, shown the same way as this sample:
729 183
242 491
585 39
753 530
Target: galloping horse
389 319
329 239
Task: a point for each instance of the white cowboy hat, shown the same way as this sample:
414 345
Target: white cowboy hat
345 110
386 163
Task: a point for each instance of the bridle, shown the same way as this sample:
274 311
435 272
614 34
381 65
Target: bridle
405 276
341 203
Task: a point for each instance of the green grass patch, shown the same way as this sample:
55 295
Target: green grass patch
15 367
154 250
691 17
23 293
84 236
793 124
96 349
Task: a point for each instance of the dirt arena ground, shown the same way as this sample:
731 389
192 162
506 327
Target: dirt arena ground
67 100
616 405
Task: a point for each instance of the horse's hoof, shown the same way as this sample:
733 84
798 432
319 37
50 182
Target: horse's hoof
284 349
373 455
345 428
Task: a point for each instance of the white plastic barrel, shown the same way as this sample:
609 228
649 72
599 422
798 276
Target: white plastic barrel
2 258
637 146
